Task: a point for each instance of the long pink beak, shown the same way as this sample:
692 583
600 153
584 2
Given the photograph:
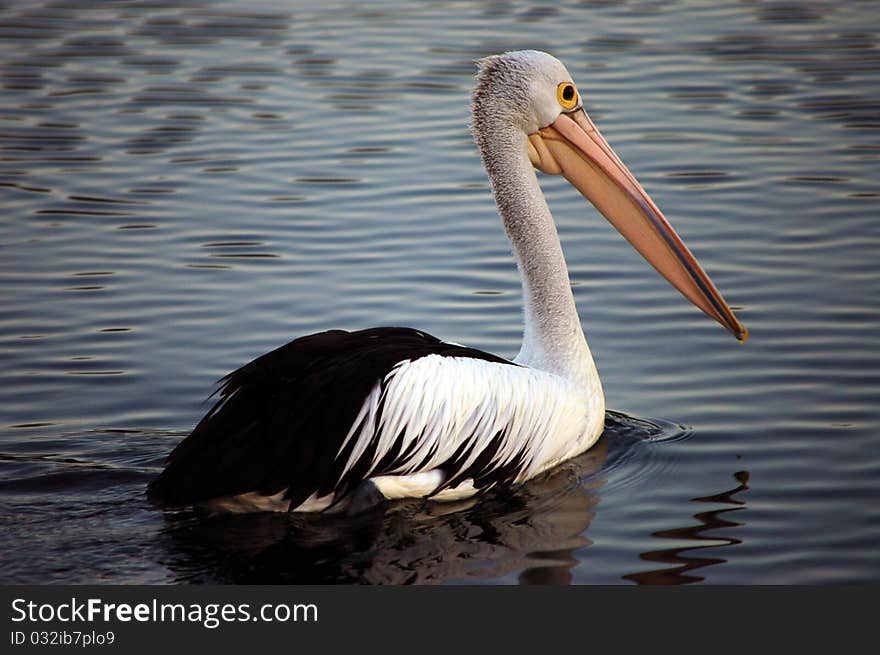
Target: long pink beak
573 146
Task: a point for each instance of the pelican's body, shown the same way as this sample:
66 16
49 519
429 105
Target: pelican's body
341 420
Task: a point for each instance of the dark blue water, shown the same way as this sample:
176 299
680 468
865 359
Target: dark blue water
185 188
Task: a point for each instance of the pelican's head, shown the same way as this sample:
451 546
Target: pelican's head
531 94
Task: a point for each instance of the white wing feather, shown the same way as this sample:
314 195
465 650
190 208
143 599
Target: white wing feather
439 406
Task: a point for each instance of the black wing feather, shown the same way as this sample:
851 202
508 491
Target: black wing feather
280 420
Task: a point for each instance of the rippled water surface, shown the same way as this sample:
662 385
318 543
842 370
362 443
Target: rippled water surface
184 188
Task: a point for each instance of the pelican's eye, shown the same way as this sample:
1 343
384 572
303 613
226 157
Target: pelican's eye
567 95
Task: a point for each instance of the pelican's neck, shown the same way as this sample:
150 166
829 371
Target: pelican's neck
553 340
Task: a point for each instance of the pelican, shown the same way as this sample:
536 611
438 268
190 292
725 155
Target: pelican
339 421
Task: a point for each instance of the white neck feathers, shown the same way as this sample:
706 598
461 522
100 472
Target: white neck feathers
553 340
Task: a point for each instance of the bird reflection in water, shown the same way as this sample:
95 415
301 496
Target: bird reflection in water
534 528
686 558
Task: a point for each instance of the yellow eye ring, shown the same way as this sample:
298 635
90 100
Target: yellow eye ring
567 95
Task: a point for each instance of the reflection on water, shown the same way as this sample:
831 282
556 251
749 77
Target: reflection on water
536 533
684 559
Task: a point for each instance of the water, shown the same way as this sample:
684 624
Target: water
184 188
